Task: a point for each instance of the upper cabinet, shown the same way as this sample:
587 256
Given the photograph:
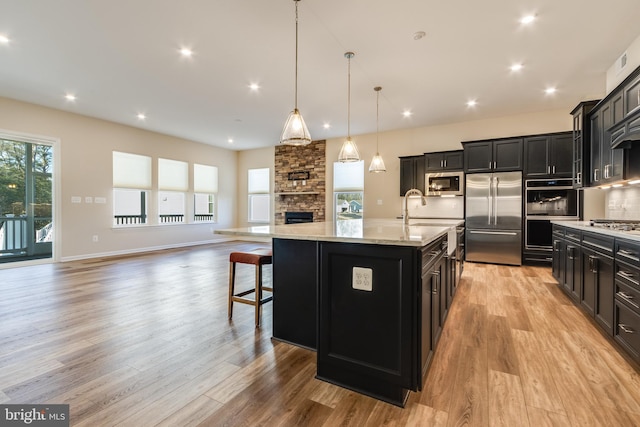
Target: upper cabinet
412 173
581 132
548 156
443 161
500 155
607 164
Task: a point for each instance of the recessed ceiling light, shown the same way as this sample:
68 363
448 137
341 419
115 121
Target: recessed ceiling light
418 35
186 52
527 19
70 97
4 39
326 125
472 103
516 67
550 90
230 141
254 86
141 116
407 113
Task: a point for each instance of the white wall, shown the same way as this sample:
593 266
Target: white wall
615 75
86 146
386 186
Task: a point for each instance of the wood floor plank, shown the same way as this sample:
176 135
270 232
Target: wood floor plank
542 418
507 406
501 351
537 381
422 415
192 414
469 403
327 394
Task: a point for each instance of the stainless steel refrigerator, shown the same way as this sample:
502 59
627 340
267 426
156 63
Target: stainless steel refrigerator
493 217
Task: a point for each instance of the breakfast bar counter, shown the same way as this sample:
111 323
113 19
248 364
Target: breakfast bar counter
368 295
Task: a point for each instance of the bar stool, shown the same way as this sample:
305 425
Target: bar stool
257 257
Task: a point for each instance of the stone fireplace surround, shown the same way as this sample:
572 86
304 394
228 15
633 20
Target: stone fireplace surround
300 195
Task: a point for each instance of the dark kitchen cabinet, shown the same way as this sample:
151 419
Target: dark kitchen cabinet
631 95
558 256
493 156
412 173
627 296
444 161
573 264
548 156
597 277
606 163
580 137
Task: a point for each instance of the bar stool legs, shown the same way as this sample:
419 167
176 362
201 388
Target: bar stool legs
258 258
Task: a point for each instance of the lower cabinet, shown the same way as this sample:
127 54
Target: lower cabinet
573 270
626 326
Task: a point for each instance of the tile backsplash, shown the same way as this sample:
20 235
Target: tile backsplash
623 203
437 207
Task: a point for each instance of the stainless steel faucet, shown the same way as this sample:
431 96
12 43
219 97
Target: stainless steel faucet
423 200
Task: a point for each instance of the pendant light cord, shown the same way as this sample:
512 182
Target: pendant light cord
377 116
349 97
296 90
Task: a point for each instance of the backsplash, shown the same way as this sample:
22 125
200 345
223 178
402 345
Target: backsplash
436 207
623 203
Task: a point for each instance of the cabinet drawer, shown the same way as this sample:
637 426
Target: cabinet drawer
628 252
628 274
628 295
627 330
574 235
557 230
598 242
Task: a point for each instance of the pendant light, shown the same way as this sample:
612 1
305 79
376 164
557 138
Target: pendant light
295 131
377 164
349 151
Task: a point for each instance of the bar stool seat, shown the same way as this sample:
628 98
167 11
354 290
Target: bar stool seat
257 257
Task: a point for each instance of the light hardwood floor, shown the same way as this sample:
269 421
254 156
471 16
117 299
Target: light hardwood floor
144 340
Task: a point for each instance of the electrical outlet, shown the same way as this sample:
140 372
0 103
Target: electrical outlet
379 201
362 279
95 238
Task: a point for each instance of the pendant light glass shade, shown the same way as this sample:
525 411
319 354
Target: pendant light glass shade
295 131
377 164
349 151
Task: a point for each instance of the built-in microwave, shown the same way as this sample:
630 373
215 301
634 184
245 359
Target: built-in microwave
445 184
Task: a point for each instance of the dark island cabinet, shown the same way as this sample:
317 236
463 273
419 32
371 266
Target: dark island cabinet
444 161
501 155
412 173
548 156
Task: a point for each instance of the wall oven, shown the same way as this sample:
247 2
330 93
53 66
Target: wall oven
445 184
547 200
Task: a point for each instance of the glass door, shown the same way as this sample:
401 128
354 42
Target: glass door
26 190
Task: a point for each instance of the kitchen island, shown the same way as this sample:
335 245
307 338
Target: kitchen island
368 295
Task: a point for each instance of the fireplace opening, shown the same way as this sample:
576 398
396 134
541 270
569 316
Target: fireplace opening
297 217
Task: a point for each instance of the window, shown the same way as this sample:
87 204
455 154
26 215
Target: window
205 189
259 199
348 191
173 183
131 182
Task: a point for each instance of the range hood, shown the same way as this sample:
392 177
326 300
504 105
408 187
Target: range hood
626 134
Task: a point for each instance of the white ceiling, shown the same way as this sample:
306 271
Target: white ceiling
120 57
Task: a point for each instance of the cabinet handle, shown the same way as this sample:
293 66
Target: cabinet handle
629 254
595 174
445 163
606 171
490 163
579 178
626 329
548 170
554 170
570 250
628 298
593 264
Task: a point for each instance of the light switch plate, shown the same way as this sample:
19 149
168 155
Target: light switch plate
88 199
76 199
362 279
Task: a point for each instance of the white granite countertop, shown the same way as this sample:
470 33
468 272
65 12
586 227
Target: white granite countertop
418 233
585 226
